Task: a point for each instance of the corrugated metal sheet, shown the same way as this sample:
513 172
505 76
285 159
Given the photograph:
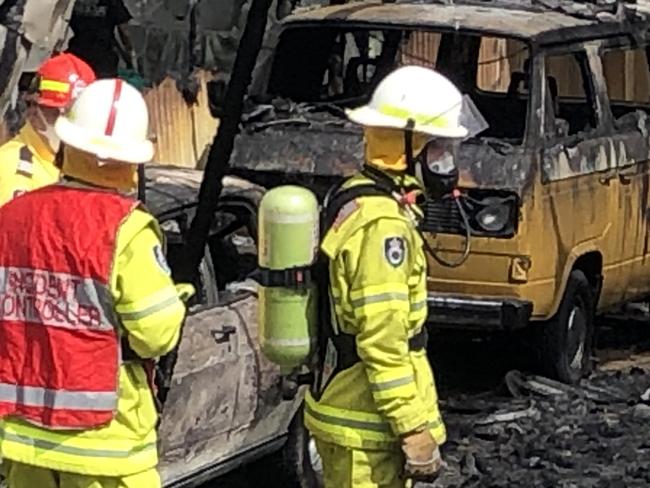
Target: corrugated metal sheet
627 74
421 49
182 131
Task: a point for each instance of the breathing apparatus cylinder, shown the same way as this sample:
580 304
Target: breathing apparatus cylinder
288 244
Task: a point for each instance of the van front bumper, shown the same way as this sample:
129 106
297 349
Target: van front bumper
459 312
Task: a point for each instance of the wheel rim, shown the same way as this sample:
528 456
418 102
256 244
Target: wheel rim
314 458
576 337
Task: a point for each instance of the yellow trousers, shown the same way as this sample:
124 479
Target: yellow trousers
21 475
353 468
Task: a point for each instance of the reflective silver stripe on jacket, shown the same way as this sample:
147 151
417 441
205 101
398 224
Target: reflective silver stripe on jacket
55 300
76 451
33 396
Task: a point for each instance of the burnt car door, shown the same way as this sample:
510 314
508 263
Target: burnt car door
220 397
626 84
208 385
581 187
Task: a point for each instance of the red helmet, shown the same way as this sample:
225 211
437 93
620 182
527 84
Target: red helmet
61 79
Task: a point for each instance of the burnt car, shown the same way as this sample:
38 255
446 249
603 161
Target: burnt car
552 225
220 398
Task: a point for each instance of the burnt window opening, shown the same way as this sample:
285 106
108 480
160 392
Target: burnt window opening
570 99
627 76
343 65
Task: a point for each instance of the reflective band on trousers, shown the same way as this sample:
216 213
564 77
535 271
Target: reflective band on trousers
55 300
33 396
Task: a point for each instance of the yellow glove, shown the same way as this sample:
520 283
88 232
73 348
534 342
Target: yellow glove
423 459
185 291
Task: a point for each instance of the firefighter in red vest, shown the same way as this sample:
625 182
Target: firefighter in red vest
28 161
82 272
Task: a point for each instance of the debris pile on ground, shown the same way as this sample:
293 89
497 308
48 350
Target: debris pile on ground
538 432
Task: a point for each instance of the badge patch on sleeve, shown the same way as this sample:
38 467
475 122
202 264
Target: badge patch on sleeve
160 259
395 250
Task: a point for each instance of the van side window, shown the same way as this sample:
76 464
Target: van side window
570 105
628 86
503 66
628 78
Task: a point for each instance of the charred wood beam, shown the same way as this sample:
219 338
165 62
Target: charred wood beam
219 155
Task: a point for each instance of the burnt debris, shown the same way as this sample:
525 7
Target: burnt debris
547 434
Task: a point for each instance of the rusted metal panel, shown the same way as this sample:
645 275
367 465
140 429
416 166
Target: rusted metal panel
182 131
507 22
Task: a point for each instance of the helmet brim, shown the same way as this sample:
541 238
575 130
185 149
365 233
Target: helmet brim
368 116
103 146
46 102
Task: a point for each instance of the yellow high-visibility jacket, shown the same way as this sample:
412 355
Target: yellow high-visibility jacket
378 289
151 313
26 163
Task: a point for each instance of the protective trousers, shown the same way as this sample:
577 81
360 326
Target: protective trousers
344 467
19 475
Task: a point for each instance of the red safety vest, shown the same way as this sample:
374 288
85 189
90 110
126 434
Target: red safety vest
59 333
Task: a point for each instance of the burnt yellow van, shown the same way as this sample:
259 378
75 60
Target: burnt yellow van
554 191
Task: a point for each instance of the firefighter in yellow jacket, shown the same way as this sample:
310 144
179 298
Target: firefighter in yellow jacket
124 285
28 161
375 413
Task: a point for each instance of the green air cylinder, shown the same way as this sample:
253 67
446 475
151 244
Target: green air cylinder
288 238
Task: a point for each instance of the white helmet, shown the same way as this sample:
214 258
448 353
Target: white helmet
110 120
420 94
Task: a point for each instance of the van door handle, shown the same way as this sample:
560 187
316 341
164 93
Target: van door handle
624 179
606 178
222 335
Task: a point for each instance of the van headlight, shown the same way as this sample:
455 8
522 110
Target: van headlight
493 217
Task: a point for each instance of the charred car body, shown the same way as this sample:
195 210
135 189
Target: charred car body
555 190
220 398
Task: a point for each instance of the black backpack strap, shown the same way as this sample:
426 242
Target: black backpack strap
343 197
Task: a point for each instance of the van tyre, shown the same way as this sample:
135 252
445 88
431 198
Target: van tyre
567 339
300 456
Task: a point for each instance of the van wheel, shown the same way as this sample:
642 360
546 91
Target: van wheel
567 339
301 457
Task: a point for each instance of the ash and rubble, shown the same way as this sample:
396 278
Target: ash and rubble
537 432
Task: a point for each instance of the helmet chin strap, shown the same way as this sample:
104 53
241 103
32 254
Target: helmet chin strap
48 133
408 147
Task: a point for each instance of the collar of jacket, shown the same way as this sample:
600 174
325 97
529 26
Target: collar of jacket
357 214
404 182
34 142
72 182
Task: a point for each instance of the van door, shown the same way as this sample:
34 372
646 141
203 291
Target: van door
627 84
581 190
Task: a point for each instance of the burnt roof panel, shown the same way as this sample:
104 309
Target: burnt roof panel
507 20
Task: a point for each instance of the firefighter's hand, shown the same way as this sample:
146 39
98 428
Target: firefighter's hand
185 291
423 459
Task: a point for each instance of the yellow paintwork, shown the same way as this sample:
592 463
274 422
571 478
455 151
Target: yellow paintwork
559 222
